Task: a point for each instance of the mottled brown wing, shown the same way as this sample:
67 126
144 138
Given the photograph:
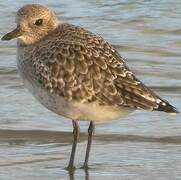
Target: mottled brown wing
94 71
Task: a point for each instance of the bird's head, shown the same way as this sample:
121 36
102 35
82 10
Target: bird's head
34 22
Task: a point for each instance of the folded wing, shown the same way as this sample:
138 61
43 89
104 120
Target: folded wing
88 69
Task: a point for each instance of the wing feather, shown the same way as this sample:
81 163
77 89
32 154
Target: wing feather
89 69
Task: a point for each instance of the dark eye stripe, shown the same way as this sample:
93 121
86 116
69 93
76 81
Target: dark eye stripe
39 22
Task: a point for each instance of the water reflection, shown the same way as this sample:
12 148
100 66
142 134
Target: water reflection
72 174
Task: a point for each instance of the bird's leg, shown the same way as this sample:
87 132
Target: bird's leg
76 132
91 131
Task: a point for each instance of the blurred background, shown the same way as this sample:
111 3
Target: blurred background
36 144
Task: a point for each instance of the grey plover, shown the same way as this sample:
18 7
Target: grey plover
77 74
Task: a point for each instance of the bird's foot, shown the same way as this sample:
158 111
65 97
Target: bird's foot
70 168
85 167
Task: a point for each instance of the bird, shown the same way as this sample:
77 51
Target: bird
77 74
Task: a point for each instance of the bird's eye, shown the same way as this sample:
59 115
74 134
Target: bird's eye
39 22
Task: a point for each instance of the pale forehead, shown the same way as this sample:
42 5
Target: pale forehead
33 10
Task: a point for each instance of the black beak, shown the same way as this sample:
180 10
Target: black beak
13 34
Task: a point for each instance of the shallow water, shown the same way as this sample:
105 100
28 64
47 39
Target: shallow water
35 143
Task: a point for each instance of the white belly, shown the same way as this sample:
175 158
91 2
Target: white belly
76 110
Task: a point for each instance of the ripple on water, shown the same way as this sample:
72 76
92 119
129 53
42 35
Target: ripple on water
35 143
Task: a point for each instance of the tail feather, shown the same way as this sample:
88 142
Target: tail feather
166 107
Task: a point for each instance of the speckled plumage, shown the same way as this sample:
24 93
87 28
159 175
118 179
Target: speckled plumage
76 73
80 66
